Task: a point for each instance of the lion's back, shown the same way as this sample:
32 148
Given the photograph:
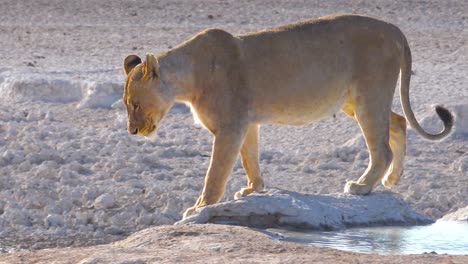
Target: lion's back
316 29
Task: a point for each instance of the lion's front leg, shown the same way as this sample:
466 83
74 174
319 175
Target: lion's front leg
225 151
250 162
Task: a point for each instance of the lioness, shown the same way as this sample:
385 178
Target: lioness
293 74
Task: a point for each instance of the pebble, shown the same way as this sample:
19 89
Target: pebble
104 201
53 220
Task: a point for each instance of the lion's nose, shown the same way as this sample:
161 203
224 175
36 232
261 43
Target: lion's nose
134 131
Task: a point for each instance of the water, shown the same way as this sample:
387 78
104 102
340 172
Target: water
441 237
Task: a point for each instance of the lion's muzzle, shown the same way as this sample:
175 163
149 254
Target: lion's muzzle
133 131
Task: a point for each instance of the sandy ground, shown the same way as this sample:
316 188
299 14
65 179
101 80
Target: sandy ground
89 39
210 244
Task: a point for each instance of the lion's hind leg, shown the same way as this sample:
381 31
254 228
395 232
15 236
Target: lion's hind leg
380 153
398 146
250 162
373 118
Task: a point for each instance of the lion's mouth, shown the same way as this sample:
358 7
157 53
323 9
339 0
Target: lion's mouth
149 130
150 133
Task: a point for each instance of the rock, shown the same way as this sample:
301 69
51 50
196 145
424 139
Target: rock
23 87
53 220
145 220
123 220
50 115
104 201
8 155
17 217
100 94
459 215
461 164
350 149
291 209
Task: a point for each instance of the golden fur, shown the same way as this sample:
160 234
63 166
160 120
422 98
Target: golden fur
293 74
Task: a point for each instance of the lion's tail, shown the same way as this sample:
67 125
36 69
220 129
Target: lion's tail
443 113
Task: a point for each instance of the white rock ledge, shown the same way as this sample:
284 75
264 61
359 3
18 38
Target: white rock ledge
459 215
93 92
275 208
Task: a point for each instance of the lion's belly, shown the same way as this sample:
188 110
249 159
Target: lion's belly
299 106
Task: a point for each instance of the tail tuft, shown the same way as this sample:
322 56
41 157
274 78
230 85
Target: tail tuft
445 116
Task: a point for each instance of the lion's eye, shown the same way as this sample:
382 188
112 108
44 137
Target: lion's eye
136 106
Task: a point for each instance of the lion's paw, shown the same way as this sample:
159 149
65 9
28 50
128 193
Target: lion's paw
390 180
387 183
189 212
243 192
353 187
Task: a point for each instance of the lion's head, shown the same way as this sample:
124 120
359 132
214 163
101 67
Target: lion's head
144 96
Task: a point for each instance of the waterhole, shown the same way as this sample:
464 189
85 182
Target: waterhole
448 237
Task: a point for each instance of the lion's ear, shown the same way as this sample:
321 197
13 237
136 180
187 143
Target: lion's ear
130 62
152 66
